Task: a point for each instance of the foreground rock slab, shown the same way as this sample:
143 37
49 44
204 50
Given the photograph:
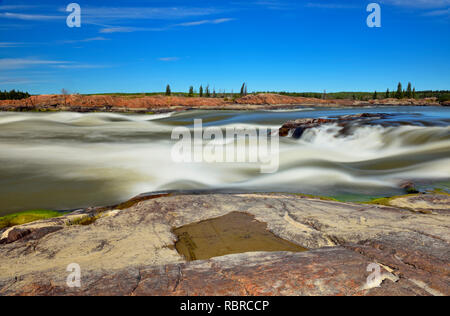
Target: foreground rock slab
132 251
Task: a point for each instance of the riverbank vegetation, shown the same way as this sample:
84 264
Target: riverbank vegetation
206 92
27 217
13 95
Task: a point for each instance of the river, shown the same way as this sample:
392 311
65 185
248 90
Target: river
65 161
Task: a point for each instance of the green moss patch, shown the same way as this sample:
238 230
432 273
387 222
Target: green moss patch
136 200
27 217
85 221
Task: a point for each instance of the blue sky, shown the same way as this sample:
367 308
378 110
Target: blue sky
140 46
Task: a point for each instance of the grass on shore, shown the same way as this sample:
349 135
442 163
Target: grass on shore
27 217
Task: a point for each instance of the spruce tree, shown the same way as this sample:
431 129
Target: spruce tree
388 94
201 91
207 92
168 91
191 92
398 94
414 93
409 91
243 90
375 96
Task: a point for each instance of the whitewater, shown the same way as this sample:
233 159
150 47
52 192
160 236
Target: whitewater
65 161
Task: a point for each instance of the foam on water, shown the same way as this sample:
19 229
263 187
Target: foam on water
69 160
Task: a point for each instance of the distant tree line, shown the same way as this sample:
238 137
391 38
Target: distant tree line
400 93
206 92
13 95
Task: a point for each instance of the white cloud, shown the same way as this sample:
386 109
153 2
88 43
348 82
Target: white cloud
169 59
330 5
104 14
19 63
30 17
92 39
126 29
15 7
10 44
216 21
427 4
80 66
14 80
438 13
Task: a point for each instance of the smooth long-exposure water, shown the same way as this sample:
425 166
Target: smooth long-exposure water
70 160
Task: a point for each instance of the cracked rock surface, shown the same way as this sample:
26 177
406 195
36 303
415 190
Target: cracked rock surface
131 251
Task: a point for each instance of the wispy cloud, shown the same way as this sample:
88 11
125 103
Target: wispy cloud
10 44
26 63
169 59
16 7
270 4
17 80
331 5
108 14
128 29
427 4
30 17
20 63
80 66
87 40
216 21
438 13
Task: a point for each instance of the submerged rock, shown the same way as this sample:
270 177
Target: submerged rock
298 127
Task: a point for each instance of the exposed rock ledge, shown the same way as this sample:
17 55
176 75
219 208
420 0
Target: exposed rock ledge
131 251
159 103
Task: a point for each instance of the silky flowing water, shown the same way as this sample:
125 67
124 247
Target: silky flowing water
65 161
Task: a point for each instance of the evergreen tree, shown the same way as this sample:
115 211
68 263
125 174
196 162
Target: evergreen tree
414 93
201 91
409 91
243 89
207 92
399 93
388 94
168 91
375 96
191 92
13 95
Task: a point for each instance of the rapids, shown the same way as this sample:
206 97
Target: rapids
70 160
